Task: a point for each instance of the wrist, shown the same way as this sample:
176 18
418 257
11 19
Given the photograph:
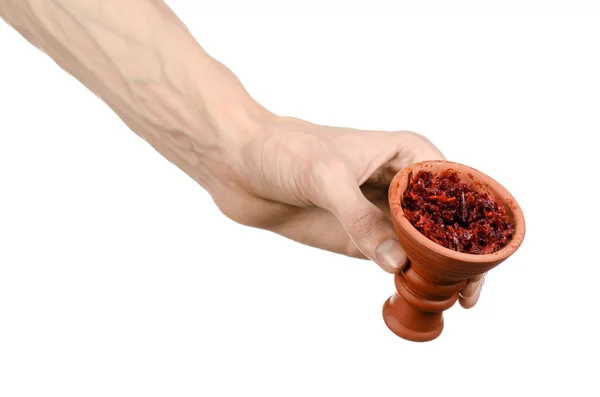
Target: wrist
229 121
233 114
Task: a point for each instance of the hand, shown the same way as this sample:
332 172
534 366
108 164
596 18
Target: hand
325 187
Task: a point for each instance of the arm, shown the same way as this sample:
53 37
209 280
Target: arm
139 58
321 186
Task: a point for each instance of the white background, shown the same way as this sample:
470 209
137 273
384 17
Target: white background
119 277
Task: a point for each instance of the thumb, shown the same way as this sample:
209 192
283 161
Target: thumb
370 229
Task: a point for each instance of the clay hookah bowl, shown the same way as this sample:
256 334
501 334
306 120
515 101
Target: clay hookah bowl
432 280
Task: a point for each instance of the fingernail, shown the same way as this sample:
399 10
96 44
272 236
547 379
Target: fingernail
391 256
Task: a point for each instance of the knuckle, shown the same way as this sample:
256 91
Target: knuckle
412 134
416 136
239 214
420 146
236 216
366 222
249 220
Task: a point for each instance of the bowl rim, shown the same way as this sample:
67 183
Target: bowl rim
397 212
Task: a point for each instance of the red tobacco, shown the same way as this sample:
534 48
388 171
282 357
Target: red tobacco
453 214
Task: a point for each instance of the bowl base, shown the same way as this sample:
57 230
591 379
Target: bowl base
393 309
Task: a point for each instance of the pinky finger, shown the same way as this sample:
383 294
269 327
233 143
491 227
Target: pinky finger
471 301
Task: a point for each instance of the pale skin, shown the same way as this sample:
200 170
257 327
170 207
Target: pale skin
322 186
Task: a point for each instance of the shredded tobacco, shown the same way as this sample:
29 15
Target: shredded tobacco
451 213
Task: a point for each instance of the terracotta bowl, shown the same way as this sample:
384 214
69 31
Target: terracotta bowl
435 275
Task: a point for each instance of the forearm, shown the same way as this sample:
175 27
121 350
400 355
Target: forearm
139 58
